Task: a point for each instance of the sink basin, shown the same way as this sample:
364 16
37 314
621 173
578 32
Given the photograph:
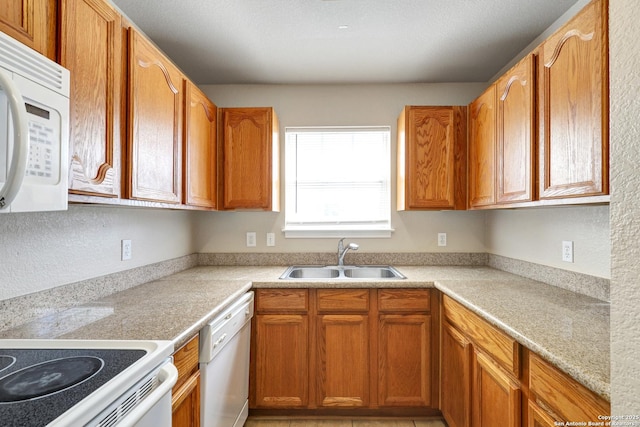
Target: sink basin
373 272
303 272
342 272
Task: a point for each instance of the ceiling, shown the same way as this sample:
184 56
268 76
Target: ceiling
306 42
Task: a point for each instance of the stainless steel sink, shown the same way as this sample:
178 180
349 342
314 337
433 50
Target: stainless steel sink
373 272
342 272
307 272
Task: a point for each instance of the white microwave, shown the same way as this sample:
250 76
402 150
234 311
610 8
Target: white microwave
34 130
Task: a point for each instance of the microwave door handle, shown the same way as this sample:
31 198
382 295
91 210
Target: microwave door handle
18 165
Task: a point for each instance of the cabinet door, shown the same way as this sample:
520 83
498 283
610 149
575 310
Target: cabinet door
431 157
404 360
516 130
32 22
186 403
185 395
574 103
456 378
250 156
154 124
538 417
343 360
91 48
281 365
496 397
200 155
482 149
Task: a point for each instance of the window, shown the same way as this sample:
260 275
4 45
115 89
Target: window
337 182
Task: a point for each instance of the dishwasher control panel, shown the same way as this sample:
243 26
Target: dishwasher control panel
215 334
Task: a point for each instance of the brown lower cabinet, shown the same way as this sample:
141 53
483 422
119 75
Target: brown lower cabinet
327 350
489 380
185 396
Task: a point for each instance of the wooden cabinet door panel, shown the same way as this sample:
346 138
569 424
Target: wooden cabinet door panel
32 22
282 361
431 154
91 48
200 156
456 378
343 360
155 123
515 133
404 360
482 149
249 151
574 100
186 403
537 417
496 397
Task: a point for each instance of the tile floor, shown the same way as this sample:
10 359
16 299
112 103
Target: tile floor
257 422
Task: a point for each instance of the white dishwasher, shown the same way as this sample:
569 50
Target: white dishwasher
224 365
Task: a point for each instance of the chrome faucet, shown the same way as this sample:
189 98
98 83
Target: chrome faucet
342 251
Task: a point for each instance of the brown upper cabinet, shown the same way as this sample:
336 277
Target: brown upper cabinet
250 159
200 157
154 140
501 139
516 123
432 158
574 107
482 149
32 22
97 82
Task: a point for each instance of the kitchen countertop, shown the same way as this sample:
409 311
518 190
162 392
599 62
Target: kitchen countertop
569 330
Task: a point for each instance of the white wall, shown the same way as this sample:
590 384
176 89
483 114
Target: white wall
624 16
342 105
536 235
43 250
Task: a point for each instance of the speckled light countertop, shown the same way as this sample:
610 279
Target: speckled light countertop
568 329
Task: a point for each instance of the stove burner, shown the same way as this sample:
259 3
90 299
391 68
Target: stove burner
47 378
6 361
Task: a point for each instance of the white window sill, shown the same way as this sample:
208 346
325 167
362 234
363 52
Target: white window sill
326 233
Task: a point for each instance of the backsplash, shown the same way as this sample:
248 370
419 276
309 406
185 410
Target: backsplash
596 287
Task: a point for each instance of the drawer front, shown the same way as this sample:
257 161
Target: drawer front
505 350
282 300
404 300
186 360
343 300
563 395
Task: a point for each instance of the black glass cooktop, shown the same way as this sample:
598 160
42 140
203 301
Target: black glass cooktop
37 386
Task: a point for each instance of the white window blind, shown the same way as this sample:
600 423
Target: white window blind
337 181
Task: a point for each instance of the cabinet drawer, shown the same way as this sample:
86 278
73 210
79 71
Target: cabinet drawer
340 300
282 300
186 360
404 300
505 350
564 395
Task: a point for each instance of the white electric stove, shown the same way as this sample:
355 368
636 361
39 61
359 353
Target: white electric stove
86 383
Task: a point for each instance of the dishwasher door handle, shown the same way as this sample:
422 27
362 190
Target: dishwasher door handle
220 340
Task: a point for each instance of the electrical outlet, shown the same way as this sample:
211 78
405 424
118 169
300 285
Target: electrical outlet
251 239
271 239
442 239
567 250
125 253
